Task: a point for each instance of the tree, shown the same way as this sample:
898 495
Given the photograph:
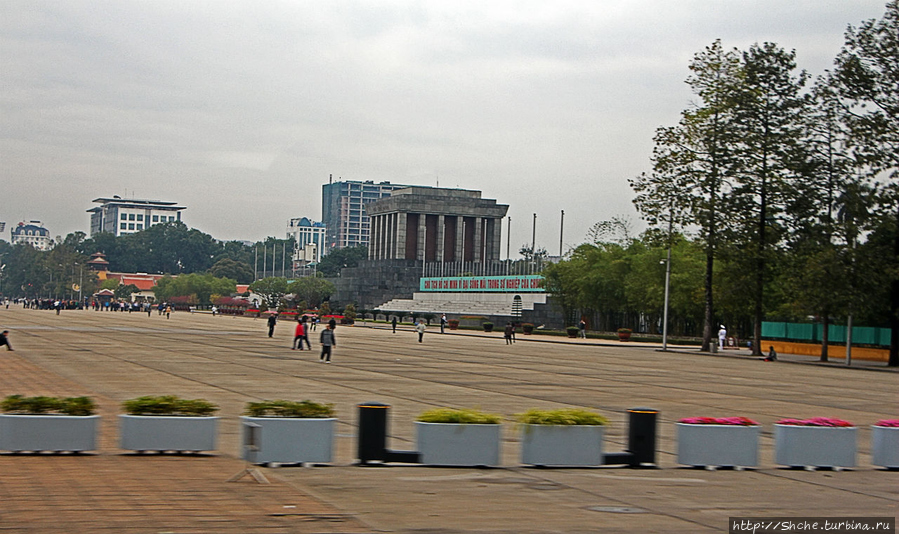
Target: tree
272 289
228 268
868 81
202 285
311 290
767 120
693 160
342 258
818 248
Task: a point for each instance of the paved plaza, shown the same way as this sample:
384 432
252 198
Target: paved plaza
231 361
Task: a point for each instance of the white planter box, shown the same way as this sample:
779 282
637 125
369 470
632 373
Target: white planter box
885 446
815 446
718 445
562 445
286 440
458 444
167 433
48 433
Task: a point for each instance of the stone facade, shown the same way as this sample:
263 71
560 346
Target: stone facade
430 224
373 283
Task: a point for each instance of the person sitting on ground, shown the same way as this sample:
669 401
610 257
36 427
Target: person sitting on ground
4 340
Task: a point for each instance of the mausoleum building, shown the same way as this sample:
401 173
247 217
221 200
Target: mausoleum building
435 225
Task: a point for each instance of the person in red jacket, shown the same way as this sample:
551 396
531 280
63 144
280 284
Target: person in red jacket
299 334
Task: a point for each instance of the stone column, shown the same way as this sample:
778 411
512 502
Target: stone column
496 245
382 236
399 242
388 235
440 230
478 239
422 236
460 239
374 240
372 237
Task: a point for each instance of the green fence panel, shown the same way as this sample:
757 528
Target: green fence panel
864 335
837 334
776 330
801 331
885 337
808 332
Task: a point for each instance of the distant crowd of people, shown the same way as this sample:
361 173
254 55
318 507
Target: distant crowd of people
96 305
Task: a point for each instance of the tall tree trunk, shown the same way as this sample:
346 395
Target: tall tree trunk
825 335
760 264
709 269
894 305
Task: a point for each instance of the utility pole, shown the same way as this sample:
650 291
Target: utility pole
561 232
533 262
667 284
509 240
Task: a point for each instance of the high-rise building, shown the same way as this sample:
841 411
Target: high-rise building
119 216
309 240
32 233
343 211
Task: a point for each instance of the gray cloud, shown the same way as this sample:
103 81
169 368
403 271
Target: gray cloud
241 110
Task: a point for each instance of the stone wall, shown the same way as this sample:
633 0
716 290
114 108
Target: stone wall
375 282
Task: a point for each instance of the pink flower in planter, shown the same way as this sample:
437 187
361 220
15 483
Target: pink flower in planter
891 423
733 421
816 421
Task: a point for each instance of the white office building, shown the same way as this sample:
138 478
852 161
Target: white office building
31 233
309 239
120 216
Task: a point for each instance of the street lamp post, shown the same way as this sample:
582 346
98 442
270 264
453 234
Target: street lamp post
667 285
80 283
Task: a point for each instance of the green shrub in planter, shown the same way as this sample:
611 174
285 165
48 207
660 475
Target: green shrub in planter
48 424
281 408
79 406
572 331
488 327
290 432
566 416
169 405
466 437
566 437
527 328
459 416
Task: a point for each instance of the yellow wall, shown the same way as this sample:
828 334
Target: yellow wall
834 352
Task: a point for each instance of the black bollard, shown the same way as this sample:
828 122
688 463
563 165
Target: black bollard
641 437
373 432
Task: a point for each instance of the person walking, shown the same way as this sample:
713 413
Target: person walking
722 337
327 341
305 334
582 329
299 334
442 323
272 321
420 328
393 323
507 333
4 340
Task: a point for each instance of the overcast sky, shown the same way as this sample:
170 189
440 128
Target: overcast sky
241 110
